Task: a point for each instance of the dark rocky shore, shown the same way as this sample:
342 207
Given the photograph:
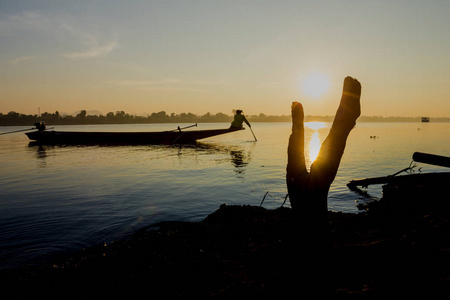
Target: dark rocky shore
392 249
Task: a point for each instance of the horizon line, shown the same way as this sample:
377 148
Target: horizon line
100 114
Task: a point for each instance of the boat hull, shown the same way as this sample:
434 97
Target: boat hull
163 137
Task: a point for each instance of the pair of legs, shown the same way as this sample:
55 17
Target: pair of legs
308 193
308 190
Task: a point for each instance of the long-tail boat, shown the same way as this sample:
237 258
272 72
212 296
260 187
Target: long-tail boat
177 136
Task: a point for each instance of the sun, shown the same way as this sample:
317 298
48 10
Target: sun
315 84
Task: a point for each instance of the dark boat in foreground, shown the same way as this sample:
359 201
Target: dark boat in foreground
414 179
428 188
177 136
409 195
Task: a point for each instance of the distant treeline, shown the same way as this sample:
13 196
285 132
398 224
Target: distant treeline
120 117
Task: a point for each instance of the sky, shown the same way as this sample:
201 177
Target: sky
214 56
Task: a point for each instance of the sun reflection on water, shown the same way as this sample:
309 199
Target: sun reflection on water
313 147
315 125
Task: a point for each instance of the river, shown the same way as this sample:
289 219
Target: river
57 199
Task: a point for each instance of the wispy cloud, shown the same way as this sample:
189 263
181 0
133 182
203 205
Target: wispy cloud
169 84
83 41
94 50
23 59
146 83
275 84
25 21
94 44
165 82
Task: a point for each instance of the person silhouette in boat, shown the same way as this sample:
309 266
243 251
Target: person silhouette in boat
239 118
40 126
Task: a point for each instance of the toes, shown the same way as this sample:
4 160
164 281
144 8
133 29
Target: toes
296 148
352 87
297 114
349 108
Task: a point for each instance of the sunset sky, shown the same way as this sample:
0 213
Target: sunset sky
214 56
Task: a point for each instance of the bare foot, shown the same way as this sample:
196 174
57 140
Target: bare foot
349 109
297 115
296 167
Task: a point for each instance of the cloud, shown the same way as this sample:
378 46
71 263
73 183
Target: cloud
169 84
95 44
57 30
26 21
146 83
94 50
23 59
165 82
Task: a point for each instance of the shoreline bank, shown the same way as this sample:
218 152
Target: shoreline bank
248 250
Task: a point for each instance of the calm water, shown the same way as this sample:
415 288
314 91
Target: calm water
59 199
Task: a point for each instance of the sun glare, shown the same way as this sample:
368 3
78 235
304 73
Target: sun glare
315 84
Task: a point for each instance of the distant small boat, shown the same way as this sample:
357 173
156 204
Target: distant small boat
425 119
177 136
